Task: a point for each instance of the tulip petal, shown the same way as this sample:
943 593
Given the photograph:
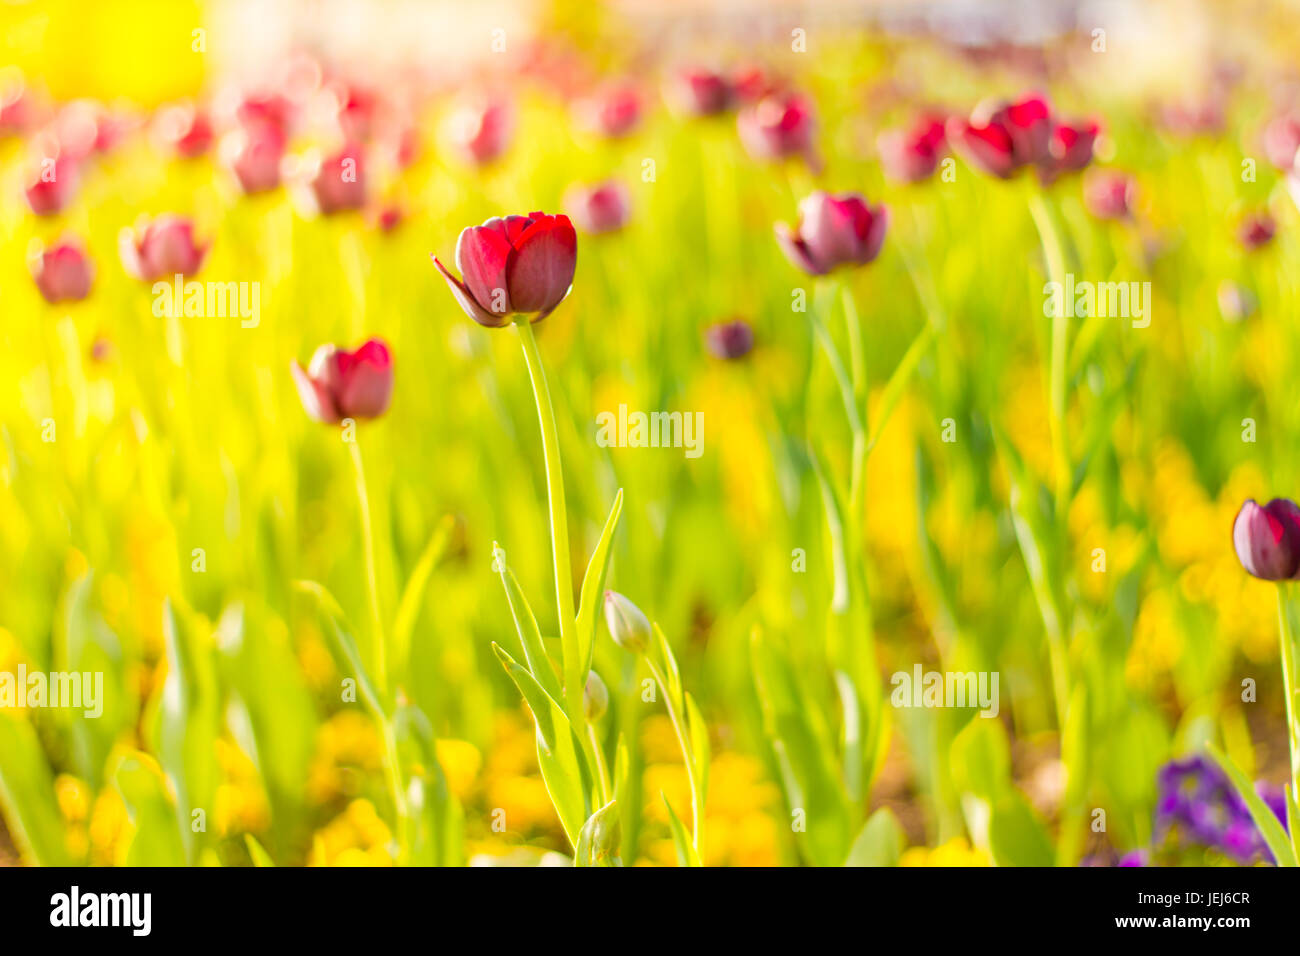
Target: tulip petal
467 301
796 250
315 398
482 255
366 380
541 270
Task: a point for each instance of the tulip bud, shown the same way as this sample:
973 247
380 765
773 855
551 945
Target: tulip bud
52 186
338 181
778 126
254 153
480 132
339 384
517 265
183 129
1267 538
597 209
912 155
612 112
729 340
595 697
1069 149
1109 194
161 248
627 625
1002 139
833 231
700 92
1256 230
63 272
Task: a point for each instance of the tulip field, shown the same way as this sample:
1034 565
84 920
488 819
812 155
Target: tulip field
823 437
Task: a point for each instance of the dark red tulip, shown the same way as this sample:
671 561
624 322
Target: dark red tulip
52 186
339 384
750 83
338 181
600 208
184 129
1069 150
614 111
480 132
517 265
63 272
1282 141
254 153
700 92
1256 230
911 155
778 126
833 231
1002 139
161 249
1267 538
1109 193
729 340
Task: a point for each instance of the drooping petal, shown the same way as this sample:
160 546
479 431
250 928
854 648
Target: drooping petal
467 301
316 400
482 255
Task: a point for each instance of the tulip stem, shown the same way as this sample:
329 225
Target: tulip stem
1054 253
574 678
1289 683
379 650
688 758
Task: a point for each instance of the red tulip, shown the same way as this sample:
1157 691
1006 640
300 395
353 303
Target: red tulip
339 384
388 217
1068 150
700 92
520 264
778 126
601 208
1267 539
265 106
161 248
833 231
53 186
613 112
912 155
480 132
729 340
1257 230
338 181
254 154
185 129
1109 193
63 272
1282 141
1003 139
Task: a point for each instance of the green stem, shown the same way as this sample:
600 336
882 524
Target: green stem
574 679
1289 684
688 757
602 772
393 770
379 650
1054 252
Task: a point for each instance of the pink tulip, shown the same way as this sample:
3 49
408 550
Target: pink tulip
1001 139
912 155
777 127
184 129
161 248
339 384
338 181
601 208
614 111
1069 150
254 154
516 265
1267 538
1282 141
700 92
833 231
480 132
1109 193
63 272
53 186
729 340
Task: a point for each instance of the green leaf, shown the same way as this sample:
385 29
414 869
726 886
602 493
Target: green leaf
345 646
879 843
439 840
681 839
593 585
257 851
980 759
27 795
699 736
1269 826
558 754
539 664
408 609
157 840
1016 837
598 841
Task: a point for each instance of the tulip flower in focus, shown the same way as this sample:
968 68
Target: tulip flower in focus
480 132
700 92
161 248
1256 230
629 628
600 208
516 265
1001 139
729 340
1109 193
911 155
1267 538
184 129
63 272
833 231
339 384
778 126
612 112
53 186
